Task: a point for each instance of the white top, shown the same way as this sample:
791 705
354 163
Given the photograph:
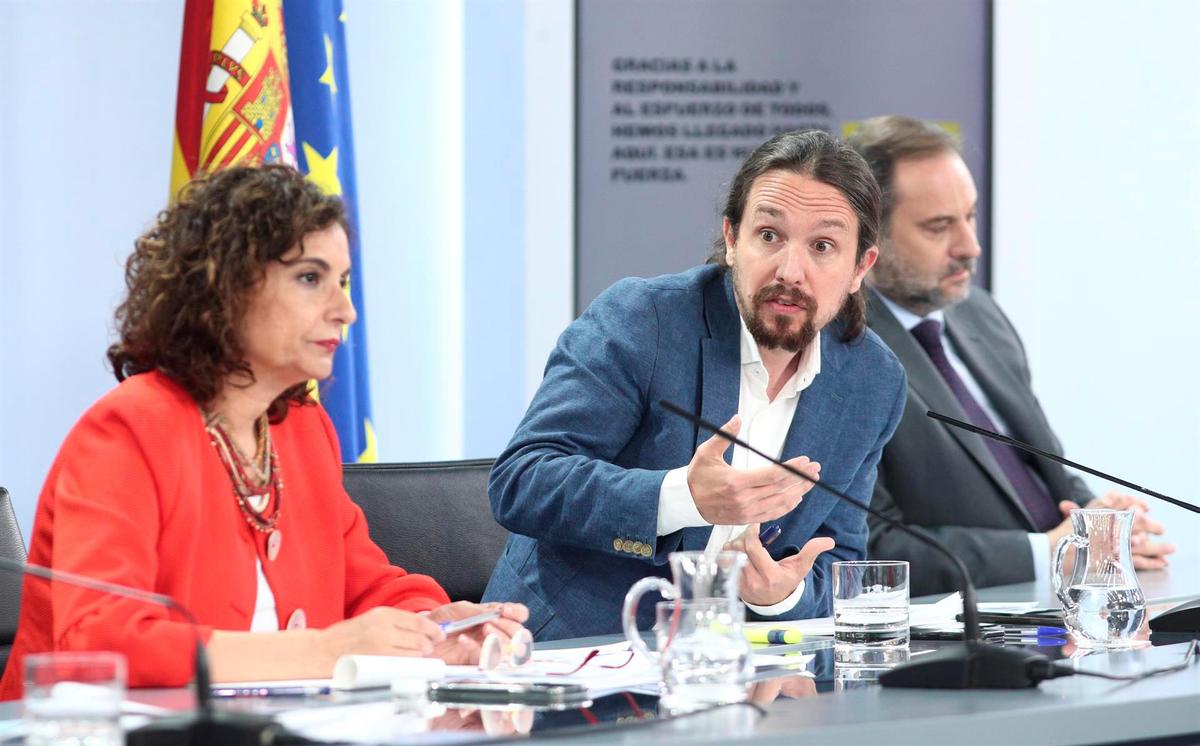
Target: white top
1039 544
265 617
765 425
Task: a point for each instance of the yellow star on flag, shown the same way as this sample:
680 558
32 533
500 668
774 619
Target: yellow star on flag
370 454
327 76
323 171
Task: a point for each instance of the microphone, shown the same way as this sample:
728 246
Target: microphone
207 725
1185 618
973 665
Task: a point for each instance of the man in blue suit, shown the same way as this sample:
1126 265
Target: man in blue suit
600 483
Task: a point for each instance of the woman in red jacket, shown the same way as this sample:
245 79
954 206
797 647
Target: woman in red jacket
211 475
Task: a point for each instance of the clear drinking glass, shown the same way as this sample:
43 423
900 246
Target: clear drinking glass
500 654
74 699
870 611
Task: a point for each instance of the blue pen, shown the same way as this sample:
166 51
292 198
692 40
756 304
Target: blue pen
769 533
270 691
1035 631
1041 642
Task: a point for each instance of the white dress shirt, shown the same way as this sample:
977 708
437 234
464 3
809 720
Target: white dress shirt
1039 544
765 425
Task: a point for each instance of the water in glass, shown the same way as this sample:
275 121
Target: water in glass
870 609
74 699
51 721
879 618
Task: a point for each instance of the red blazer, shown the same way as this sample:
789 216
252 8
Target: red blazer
138 496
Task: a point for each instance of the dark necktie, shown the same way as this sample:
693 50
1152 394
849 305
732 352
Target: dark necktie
1036 499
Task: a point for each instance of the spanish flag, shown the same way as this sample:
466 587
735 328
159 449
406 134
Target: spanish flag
241 79
234 106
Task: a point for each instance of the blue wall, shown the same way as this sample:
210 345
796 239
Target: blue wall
85 149
494 238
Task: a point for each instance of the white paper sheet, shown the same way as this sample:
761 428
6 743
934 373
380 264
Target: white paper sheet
614 668
354 672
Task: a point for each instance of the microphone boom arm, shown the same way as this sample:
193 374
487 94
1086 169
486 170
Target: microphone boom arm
970 608
1054 457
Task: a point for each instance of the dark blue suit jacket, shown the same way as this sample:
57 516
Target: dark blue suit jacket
578 485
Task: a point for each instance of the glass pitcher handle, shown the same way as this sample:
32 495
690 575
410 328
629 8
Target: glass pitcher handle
1056 567
629 610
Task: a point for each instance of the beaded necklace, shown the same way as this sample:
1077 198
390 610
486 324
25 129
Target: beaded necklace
254 480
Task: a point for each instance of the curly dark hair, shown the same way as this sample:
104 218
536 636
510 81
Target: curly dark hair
191 276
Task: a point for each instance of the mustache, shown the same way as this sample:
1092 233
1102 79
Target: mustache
961 265
794 296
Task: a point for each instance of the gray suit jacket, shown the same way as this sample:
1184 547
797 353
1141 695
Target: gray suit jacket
944 479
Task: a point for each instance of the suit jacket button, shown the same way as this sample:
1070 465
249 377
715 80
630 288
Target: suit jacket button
298 620
627 546
637 548
647 550
617 544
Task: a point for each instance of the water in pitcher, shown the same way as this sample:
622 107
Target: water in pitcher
705 668
1103 606
1105 616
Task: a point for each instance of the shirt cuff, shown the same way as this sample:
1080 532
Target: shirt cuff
1039 544
676 508
783 606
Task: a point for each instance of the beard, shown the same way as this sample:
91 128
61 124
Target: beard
774 331
917 293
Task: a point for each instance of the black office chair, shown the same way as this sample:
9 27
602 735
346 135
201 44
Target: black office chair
12 546
432 518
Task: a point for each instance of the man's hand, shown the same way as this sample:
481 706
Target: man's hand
1063 529
764 581
1147 555
731 497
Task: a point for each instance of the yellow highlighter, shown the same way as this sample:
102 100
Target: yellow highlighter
760 636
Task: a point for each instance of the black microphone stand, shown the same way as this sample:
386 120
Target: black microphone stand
205 727
1183 619
973 665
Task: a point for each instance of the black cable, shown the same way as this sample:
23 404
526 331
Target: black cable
1050 670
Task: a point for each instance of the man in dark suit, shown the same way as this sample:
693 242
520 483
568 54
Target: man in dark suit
1000 511
600 483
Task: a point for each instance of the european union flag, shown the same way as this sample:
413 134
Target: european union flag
316 46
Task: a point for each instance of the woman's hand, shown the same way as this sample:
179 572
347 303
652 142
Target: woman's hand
381 631
463 647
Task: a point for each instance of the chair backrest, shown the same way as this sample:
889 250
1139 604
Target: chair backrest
12 546
432 518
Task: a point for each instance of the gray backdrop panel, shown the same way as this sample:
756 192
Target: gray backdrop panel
673 93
